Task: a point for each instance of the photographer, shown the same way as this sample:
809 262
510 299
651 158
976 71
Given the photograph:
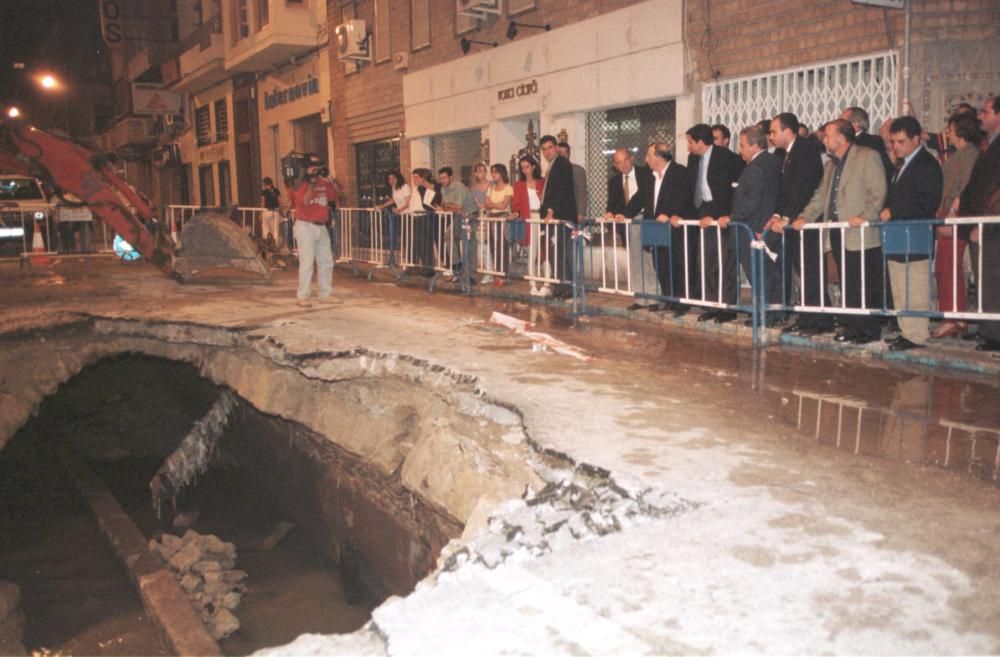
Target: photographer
312 197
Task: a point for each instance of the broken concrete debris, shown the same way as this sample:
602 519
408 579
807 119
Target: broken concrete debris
561 513
205 567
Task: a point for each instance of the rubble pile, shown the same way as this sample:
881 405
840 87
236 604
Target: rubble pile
11 620
560 514
204 566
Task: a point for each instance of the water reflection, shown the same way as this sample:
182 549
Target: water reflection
907 430
872 410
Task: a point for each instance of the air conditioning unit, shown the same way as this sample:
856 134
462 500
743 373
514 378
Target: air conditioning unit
401 60
352 41
478 9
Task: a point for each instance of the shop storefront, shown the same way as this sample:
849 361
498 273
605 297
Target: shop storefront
293 106
628 89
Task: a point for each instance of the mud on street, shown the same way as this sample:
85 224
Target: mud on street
782 502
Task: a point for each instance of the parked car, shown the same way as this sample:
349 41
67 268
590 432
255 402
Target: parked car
24 207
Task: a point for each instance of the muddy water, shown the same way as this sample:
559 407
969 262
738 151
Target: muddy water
904 414
75 594
292 589
908 415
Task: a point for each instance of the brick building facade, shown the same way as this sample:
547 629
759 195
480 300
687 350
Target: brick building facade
421 86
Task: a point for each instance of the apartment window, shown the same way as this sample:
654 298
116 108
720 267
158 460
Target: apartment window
383 27
221 120
203 125
263 13
420 24
241 20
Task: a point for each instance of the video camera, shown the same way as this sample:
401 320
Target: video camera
295 167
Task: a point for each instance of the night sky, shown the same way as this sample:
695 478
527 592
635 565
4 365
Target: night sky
61 37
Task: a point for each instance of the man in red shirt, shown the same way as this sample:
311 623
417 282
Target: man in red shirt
312 199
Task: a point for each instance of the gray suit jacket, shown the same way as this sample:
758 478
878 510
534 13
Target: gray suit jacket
861 194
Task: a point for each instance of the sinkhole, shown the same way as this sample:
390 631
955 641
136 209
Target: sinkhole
325 526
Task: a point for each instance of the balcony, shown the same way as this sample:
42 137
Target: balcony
290 30
201 59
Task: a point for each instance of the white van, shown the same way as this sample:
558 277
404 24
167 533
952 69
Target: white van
23 208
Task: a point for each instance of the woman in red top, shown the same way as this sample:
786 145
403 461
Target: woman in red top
526 204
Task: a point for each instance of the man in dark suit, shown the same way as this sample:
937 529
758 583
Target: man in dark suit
713 171
624 190
858 118
558 203
667 199
801 171
753 204
976 202
914 193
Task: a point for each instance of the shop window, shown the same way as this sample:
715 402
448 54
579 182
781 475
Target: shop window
815 93
221 120
633 128
458 150
225 184
206 184
203 125
373 161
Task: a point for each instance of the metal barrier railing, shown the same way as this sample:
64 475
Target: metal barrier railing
912 241
366 235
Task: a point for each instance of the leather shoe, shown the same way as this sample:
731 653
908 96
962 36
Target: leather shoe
988 345
902 344
705 316
845 336
948 329
724 316
863 338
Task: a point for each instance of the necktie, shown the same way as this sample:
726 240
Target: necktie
628 190
899 168
784 164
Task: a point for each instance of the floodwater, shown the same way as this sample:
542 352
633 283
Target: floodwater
872 409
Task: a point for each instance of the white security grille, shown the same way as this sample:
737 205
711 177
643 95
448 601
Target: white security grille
816 94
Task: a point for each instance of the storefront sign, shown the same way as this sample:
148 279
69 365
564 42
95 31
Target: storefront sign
152 99
523 89
112 29
291 94
212 153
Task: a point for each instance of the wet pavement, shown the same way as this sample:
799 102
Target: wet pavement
838 504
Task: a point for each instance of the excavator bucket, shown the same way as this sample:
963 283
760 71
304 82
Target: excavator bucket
210 241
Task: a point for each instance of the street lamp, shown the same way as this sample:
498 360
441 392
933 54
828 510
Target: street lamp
52 84
13 112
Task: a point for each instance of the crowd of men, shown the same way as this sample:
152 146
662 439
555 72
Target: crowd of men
785 183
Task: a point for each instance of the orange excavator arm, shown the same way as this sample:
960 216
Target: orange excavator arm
68 167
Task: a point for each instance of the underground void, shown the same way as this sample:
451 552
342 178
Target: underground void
184 489
267 530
